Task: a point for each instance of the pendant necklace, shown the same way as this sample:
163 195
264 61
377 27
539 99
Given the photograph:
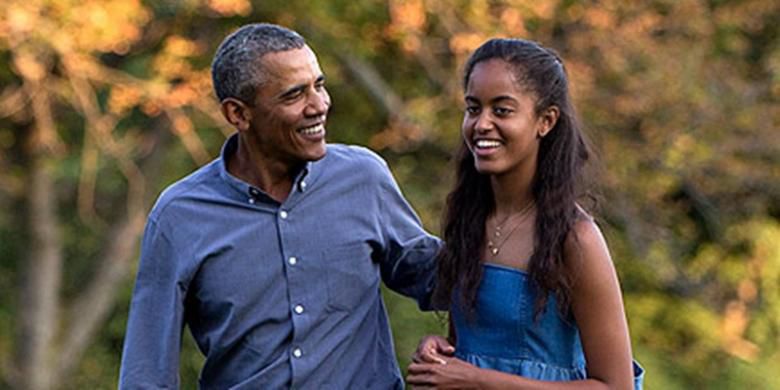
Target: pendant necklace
498 231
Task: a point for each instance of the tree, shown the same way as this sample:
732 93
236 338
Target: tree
74 125
104 102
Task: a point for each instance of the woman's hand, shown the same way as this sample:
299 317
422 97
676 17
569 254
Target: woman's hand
452 374
433 349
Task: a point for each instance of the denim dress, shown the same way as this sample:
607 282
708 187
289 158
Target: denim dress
502 333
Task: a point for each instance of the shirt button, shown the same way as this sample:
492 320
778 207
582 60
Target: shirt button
298 309
252 200
297 352
303 185
292 260
283 214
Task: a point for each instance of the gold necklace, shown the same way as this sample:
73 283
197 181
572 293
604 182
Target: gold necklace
498 234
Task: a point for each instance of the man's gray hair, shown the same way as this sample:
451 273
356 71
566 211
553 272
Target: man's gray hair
236 71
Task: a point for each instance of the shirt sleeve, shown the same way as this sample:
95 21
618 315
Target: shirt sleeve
150 357
408 265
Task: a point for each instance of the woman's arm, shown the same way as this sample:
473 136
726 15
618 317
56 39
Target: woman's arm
597 305
457 374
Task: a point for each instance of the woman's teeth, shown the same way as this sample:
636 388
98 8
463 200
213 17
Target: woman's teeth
486 144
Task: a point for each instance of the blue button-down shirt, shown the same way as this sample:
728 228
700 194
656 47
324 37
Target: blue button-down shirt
277 295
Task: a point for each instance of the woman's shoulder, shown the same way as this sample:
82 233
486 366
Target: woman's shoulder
585 232
586 249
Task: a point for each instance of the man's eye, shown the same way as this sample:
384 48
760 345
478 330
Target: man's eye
293 95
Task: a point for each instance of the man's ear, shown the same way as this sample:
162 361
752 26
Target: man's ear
547 120
237 113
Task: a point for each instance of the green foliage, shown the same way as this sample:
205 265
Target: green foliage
680 97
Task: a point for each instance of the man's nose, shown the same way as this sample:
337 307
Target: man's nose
319 103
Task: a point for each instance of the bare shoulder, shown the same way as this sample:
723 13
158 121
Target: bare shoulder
585 238
586 250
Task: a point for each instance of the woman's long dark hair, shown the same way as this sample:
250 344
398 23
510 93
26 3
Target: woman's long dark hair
555 187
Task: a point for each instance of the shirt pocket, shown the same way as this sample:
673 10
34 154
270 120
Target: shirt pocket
352 277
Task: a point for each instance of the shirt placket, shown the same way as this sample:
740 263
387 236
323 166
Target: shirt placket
294 264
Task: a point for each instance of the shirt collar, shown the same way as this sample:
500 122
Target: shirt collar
302 182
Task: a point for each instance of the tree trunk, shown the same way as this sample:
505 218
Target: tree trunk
41 278
50 346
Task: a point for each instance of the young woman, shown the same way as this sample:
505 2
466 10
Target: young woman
533 295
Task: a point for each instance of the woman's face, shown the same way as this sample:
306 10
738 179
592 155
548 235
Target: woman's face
500 125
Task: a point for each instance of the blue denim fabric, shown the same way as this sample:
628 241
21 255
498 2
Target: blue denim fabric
277 295
502 333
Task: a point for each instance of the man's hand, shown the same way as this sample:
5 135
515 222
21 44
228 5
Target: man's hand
433 349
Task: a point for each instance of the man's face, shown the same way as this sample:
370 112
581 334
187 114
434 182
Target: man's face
291 106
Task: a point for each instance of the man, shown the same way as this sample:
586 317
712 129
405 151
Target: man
272 254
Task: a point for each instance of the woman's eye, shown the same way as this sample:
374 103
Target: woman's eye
500 111
472 110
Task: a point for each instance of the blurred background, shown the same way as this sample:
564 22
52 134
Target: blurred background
105 102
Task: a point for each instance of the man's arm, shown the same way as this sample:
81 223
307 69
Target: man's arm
150 358
408 265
